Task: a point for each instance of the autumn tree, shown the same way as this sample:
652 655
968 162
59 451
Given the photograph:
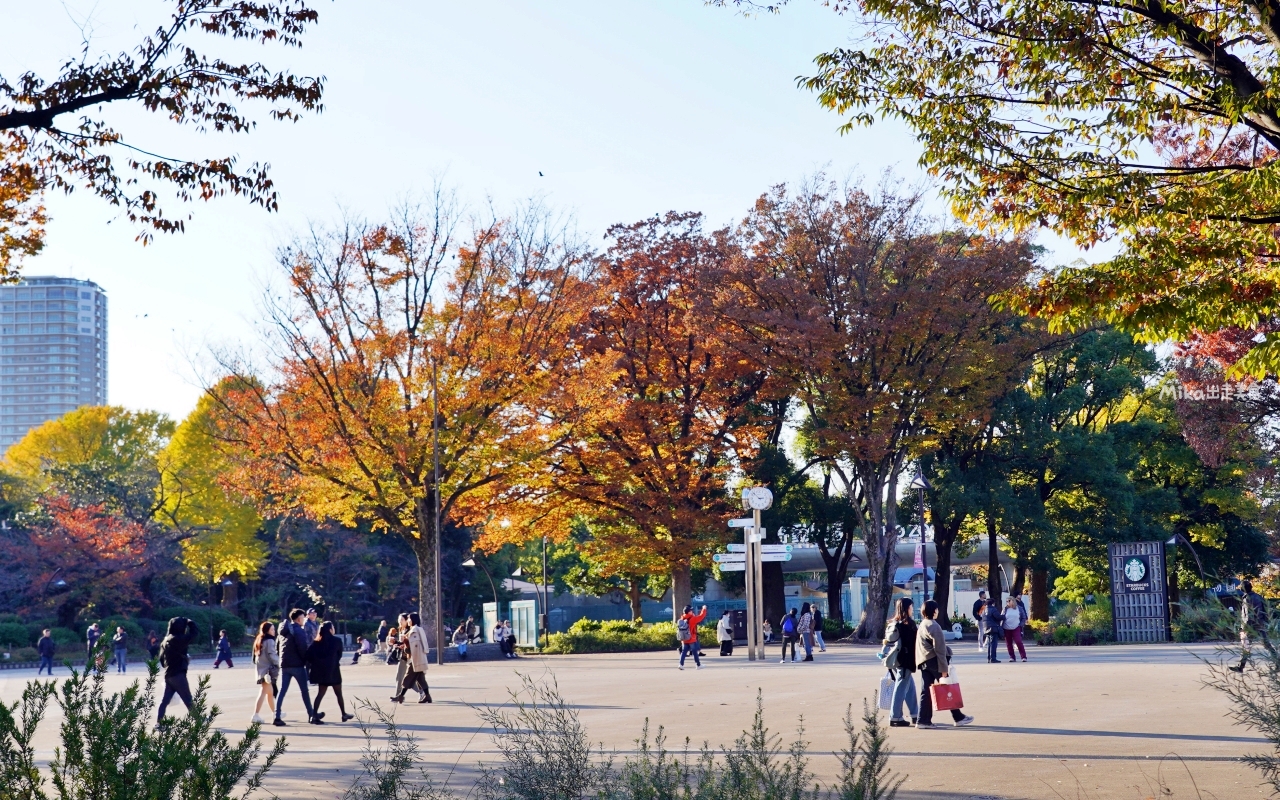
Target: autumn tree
54 135
659 398
1154 123
378 324
95 455
217 525
882 327
68 558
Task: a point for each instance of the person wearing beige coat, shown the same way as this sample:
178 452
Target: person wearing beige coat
931 658
419 655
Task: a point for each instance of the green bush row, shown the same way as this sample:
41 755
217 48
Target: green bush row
621 636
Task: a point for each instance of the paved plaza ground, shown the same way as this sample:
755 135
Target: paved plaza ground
1087 722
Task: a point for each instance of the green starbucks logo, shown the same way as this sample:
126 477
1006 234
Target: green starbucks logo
1135 570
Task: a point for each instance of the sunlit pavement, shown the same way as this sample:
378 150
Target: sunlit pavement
1086 722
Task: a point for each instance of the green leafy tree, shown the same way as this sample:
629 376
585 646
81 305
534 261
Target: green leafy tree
1152 122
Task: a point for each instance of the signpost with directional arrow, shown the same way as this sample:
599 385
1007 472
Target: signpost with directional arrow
747 558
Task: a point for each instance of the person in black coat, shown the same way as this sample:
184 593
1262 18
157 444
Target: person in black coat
46 648
174 659
293 645
324 659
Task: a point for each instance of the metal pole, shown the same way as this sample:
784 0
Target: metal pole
749 575
757 550
545 600
924 551
435 491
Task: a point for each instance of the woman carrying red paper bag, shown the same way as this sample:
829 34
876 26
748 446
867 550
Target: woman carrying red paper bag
931 656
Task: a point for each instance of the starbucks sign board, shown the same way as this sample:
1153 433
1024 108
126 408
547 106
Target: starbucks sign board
1140 611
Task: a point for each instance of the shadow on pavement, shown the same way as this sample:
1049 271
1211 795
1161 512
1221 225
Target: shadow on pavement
1191 737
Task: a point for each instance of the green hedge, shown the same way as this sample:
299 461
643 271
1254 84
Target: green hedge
621 636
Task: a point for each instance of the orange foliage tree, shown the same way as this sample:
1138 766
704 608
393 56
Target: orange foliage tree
881 327
379 321
659 397
72 558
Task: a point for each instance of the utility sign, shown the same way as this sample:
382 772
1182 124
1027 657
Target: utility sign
775 556
743 522
775 548
725 558
739 566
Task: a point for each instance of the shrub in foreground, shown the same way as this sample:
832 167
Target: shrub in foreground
109 746
545 753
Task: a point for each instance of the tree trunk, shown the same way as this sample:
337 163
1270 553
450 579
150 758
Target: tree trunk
1040 594
837 564
944 540
994 587
681 589
881 541
634 596
425 547
1019 576
774 593
231 593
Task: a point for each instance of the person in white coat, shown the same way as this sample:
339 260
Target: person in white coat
418 655
724 634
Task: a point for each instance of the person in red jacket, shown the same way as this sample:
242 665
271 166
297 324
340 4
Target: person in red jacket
687 632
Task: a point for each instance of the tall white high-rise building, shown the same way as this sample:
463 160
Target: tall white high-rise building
53 351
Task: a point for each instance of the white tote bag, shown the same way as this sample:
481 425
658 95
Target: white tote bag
886 692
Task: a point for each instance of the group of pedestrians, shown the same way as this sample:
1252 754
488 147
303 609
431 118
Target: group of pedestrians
804 627
998 622
801 626
909 648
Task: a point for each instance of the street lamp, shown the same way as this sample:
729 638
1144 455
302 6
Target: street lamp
471 562
921 483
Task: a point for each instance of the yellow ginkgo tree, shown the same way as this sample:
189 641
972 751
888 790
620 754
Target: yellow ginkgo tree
219 527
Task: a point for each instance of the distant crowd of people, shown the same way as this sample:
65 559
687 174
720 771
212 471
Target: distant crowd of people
803 626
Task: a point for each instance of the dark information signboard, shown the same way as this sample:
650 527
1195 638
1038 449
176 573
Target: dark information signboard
1139 607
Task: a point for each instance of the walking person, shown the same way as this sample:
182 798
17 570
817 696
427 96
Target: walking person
687 633
900 638
224 651
817 629
804 626
418 655
152 643
724 634
46 647
324 667
92 636
931 658
993 620
292 644
382 637
174 659
120 649
266 662
978 605
1255 618
790 632
1013 630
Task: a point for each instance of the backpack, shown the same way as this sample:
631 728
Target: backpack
788 625
682 629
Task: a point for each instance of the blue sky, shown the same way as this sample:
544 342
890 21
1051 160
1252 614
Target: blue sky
627 107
